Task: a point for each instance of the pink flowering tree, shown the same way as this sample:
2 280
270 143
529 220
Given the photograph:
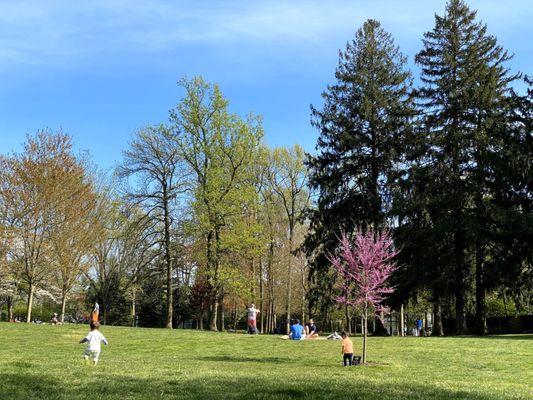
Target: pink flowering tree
364 265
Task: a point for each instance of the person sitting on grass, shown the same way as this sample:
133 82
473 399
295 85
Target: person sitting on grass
297 331
347 350
55 320
94 346
311 331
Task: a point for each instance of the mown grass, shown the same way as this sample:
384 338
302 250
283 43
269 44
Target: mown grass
45 362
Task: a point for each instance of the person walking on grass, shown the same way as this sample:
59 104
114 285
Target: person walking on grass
252 319
93 339
347 350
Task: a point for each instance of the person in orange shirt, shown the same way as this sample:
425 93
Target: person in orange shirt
347 350
95 313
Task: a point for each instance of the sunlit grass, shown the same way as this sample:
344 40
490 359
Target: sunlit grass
45 362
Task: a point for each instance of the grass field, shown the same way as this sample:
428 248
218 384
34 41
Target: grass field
45 362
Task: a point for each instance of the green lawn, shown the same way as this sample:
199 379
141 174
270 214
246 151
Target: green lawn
45 362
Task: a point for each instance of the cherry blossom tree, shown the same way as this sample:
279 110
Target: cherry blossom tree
364 265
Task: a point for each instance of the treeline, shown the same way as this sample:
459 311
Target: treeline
445 163
199 219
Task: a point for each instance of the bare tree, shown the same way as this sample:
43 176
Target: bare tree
151 171
288 179
36 197
73 237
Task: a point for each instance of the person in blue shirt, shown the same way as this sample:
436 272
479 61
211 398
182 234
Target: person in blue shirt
419 326
297 331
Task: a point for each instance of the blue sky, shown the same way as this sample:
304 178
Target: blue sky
101 69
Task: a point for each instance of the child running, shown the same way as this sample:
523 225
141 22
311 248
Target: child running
94 339
347 349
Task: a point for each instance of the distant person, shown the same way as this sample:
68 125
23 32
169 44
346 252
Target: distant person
95 314
419 327
311 331
94 346
334 336
252 318
55 320
347 350
297 331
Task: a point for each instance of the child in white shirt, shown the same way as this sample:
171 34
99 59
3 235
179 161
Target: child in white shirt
93 340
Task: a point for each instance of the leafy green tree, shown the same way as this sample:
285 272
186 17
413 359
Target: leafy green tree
218 148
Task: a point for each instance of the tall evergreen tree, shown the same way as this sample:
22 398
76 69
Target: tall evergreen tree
464 86
510 260
365 115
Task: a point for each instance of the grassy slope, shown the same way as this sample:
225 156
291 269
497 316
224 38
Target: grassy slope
44 362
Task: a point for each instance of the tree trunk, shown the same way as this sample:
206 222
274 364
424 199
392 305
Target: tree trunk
289 282
201 322
252 281
133 310
481 309
365 330
437 323
261 295
460 313
63 304
303 297
402 321
168 260
214 315
30 302
10 309
270 322
222 313
269 318
348 319
215 263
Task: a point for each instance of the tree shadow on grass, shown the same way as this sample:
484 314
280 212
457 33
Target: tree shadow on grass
226 358
17 386
507 337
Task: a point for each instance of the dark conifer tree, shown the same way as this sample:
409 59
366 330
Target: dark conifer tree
464 87
510 259
366 113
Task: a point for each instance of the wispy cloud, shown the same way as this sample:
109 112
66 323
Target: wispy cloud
65 32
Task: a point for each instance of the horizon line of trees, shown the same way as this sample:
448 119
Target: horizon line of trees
201 217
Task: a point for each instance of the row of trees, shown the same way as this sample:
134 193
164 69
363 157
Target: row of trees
238 201
198 217
446 164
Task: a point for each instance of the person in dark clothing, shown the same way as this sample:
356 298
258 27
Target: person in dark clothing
311 331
